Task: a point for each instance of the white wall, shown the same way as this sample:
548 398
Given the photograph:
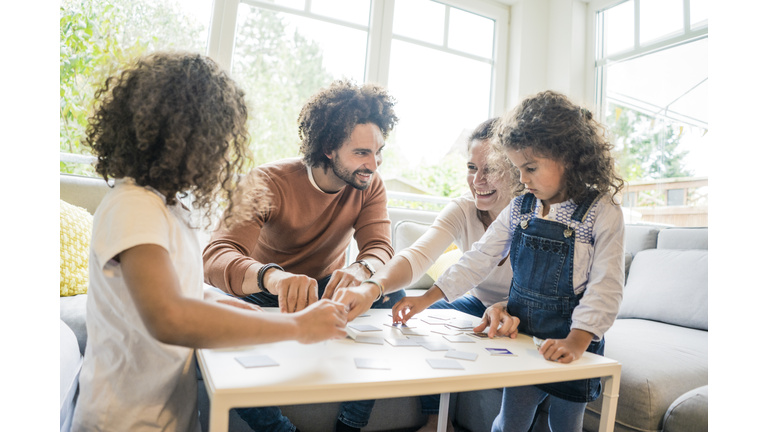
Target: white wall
547 49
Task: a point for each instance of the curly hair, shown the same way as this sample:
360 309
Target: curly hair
176 122
330 115
553 127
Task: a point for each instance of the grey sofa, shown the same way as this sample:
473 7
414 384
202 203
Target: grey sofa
660 338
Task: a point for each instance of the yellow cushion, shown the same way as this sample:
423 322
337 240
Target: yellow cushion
75 225
441 265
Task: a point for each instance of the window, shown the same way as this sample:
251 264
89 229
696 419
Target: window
445 63
652 88
97 37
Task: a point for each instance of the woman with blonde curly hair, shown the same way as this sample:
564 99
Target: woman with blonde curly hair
168 125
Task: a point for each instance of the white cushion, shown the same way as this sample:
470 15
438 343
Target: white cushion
406 233
668 285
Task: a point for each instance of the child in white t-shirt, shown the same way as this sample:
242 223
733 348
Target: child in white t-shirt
171 122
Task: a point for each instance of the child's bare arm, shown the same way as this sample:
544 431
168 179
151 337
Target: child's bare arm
174 319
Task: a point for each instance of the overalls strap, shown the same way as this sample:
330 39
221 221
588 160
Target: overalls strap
528 204
580 214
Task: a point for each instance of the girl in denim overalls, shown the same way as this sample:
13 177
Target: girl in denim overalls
565 242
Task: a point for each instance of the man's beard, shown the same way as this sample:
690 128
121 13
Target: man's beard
350 178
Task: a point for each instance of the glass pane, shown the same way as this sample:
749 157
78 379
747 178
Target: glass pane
470 33
355 11
97 38
293 4
619 24
441 99
657 115
660 18
699 11
280 60
420 19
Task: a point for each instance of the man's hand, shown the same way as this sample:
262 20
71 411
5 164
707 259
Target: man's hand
322 320
294 292
566 350
354 275
219 298
357 299
497 314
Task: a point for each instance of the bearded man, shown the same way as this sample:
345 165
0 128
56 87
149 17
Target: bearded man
294 253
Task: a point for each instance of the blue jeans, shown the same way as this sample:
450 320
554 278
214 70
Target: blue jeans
468 304
270 419
518 407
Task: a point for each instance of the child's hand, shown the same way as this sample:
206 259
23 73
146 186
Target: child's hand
496 315
407 307
321 320
566 350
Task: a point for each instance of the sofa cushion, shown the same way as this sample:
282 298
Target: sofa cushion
689 413
637 238
72 312
70 362
659 362
683 238
668 285
405 233
75 226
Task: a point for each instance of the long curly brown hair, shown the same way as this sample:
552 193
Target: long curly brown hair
553 127
330 115
176 122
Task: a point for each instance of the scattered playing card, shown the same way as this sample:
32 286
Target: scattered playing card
459 338
433 321
444 364
364 315
402 342
439 317
399 325
370 340
420 338
462 355
410 332
460 326
500 351
256 361
478 335
435 346
538 342
363 363
363 327
445 331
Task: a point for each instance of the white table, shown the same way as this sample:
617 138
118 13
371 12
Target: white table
326 371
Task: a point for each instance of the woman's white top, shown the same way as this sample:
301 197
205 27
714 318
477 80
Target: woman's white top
458 223
598 262
130 380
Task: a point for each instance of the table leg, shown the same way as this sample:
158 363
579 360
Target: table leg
442 416
219 420
610 402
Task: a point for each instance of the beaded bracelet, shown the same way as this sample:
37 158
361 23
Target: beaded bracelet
378 284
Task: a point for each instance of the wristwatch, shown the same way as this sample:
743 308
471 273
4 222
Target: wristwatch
366 265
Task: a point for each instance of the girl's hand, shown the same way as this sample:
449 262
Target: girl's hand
566 350
407 307
496 315
324 319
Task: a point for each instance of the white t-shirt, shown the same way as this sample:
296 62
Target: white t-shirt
130 380
458 224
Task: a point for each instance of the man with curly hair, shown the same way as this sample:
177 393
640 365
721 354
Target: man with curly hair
294 253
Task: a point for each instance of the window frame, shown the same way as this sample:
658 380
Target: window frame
596 85
223 29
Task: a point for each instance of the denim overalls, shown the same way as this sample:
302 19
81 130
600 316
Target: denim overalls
541 293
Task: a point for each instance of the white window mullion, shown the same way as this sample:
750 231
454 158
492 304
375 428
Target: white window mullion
445 26
379 41
637 24
686 16
221 36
